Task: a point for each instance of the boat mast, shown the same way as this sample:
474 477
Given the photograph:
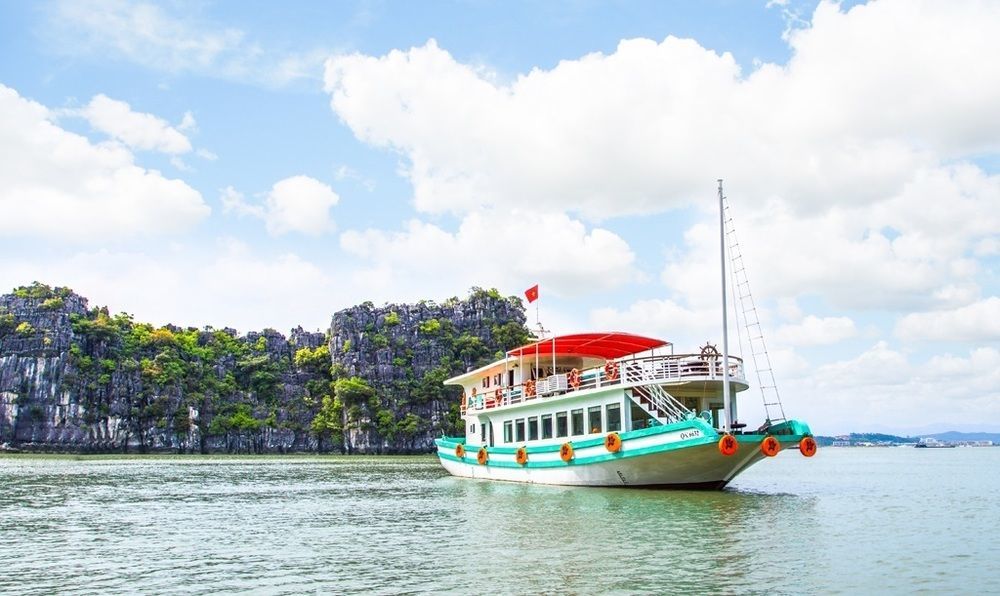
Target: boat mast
727 423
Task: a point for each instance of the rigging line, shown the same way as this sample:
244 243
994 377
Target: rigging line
758 347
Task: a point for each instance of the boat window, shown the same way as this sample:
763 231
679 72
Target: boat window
519 430
594 418
533 428
614 415
482 429
577 416
562 428
472 429
508 431
547 426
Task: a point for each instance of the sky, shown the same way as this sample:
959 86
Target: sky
262 164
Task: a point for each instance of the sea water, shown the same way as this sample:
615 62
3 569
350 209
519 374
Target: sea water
850 520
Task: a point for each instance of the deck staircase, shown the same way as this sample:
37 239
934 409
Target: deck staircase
658 403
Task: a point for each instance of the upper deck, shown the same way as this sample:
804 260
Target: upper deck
585 364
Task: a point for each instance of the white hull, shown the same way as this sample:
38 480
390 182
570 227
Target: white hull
700 466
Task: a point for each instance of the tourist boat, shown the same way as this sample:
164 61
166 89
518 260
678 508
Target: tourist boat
612 409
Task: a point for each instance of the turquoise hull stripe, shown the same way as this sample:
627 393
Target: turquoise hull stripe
446 445
790 427
582 461
696 423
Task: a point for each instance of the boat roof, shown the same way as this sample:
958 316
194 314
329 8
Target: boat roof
606 345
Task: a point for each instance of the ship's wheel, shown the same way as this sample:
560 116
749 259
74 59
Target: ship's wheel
709 352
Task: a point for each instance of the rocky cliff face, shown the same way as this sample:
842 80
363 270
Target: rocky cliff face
76 379
35 338
406 351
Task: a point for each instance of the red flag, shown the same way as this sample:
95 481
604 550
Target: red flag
531 293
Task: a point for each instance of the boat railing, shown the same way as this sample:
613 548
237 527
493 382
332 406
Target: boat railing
626 372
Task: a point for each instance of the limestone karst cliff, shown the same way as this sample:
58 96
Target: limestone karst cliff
79 379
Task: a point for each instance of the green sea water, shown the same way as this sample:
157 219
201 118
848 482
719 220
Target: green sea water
852 521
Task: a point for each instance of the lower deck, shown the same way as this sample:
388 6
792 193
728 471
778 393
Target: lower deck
576 417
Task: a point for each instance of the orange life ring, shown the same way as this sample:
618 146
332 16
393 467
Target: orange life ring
498 397
770 446
566 452
473 392
522 456
460 451
611 370
807 446
529 389
573 378
613 442
463 400
728 445
482 457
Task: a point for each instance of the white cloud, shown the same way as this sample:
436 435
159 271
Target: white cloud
296 204
847 254
979 321
345 172
188 123
879 388
849 164
912 59
503 249
816 331
880 365
148 34
988 247
566 138
686 328
222 283
233 201
789 309
136 129
300 204
180 164
244 286
646 127
882 388
57 184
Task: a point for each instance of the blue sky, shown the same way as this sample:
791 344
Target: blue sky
261 164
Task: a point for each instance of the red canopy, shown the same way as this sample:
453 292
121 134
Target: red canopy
601 345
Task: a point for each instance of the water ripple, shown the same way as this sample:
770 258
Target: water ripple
848 521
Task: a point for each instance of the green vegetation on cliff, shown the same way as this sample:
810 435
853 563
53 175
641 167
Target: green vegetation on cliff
372 384
235 381
406 352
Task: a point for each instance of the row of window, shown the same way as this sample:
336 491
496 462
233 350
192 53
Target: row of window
563 424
